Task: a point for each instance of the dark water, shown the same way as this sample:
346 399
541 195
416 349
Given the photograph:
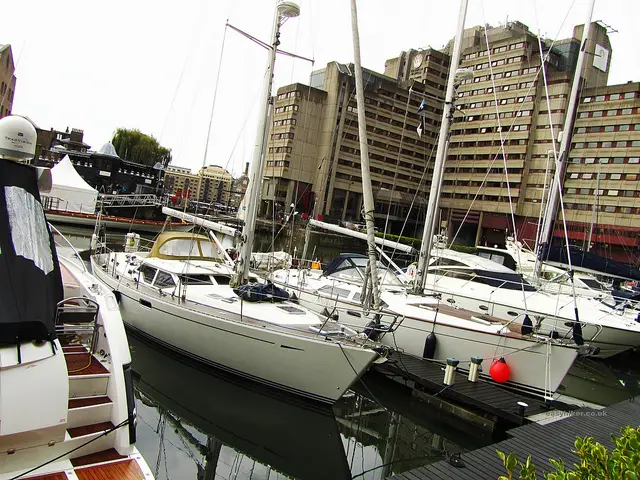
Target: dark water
197 423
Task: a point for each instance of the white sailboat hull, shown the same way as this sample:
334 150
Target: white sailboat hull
315 368
527 359
610 339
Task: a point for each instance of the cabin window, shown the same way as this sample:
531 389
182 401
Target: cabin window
196 280
164 280
147 273
222 279
180 248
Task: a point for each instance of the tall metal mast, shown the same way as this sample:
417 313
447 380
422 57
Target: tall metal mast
441 155
367 191
284 10
567 133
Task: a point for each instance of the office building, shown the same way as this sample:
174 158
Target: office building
7 80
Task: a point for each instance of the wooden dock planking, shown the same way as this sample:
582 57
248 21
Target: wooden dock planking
553 440
124 470
481 395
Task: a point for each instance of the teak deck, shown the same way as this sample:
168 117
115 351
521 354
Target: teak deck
553 440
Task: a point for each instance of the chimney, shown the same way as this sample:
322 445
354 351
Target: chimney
246 169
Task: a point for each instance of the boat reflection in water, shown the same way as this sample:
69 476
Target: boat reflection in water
198 423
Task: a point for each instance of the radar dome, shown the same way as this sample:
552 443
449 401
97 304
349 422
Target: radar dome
17 138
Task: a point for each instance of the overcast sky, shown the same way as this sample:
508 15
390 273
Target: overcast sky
152 64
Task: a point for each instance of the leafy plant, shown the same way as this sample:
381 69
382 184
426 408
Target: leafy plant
596 463
135 146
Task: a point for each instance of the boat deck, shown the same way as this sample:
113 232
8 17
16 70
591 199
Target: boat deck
119 469
553 440
485 398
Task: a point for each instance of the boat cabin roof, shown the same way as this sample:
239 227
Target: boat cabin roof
188 267
352 267
185 246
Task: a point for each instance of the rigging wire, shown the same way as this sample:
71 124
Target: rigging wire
502 140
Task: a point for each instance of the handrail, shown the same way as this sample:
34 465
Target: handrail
75 252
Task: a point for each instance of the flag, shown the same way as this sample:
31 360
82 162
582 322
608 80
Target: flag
422 106
420 128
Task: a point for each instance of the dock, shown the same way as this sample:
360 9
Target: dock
552 440
484 402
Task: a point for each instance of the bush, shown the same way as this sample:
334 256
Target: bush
595 461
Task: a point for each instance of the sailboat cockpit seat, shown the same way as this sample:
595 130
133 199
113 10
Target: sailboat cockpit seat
77 317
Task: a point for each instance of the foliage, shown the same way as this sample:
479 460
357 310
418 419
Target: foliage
411 241
135 146
417 242
595 461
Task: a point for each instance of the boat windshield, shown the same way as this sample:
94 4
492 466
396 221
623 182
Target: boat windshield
505 280
352 269
184 246
593 284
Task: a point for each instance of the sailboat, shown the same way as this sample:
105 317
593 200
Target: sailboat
186 294
429 328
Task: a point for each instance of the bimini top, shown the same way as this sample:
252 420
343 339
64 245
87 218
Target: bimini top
185 246
352 267
30 280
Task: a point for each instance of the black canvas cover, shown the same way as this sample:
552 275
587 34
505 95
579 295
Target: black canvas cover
30 280
583 260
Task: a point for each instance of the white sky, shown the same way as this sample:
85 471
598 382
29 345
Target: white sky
152 64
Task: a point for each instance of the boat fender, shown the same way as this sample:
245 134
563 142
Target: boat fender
118 295
527 326
430 346
500 371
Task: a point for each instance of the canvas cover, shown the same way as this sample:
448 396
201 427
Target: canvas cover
582 260
30 280
74 193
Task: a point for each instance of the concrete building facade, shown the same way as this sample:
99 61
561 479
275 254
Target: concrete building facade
7 80
508 122
211 184
313 152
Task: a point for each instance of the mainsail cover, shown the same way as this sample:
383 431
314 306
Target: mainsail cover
589 262
30 280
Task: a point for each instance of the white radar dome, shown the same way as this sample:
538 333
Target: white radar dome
17 138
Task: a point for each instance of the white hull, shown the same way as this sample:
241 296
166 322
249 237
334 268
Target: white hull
527 359
311 367
610 339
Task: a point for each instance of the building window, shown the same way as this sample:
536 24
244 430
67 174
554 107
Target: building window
630 95
615 96
600 98
612 193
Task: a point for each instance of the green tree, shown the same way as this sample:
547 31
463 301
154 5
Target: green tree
135 146
596 462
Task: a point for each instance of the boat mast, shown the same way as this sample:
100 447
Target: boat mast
567 134
284 10
367 192
441 155
594 212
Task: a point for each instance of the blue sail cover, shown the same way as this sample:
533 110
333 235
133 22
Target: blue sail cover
30 280
581 260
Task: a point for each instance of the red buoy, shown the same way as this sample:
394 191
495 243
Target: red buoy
500 371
